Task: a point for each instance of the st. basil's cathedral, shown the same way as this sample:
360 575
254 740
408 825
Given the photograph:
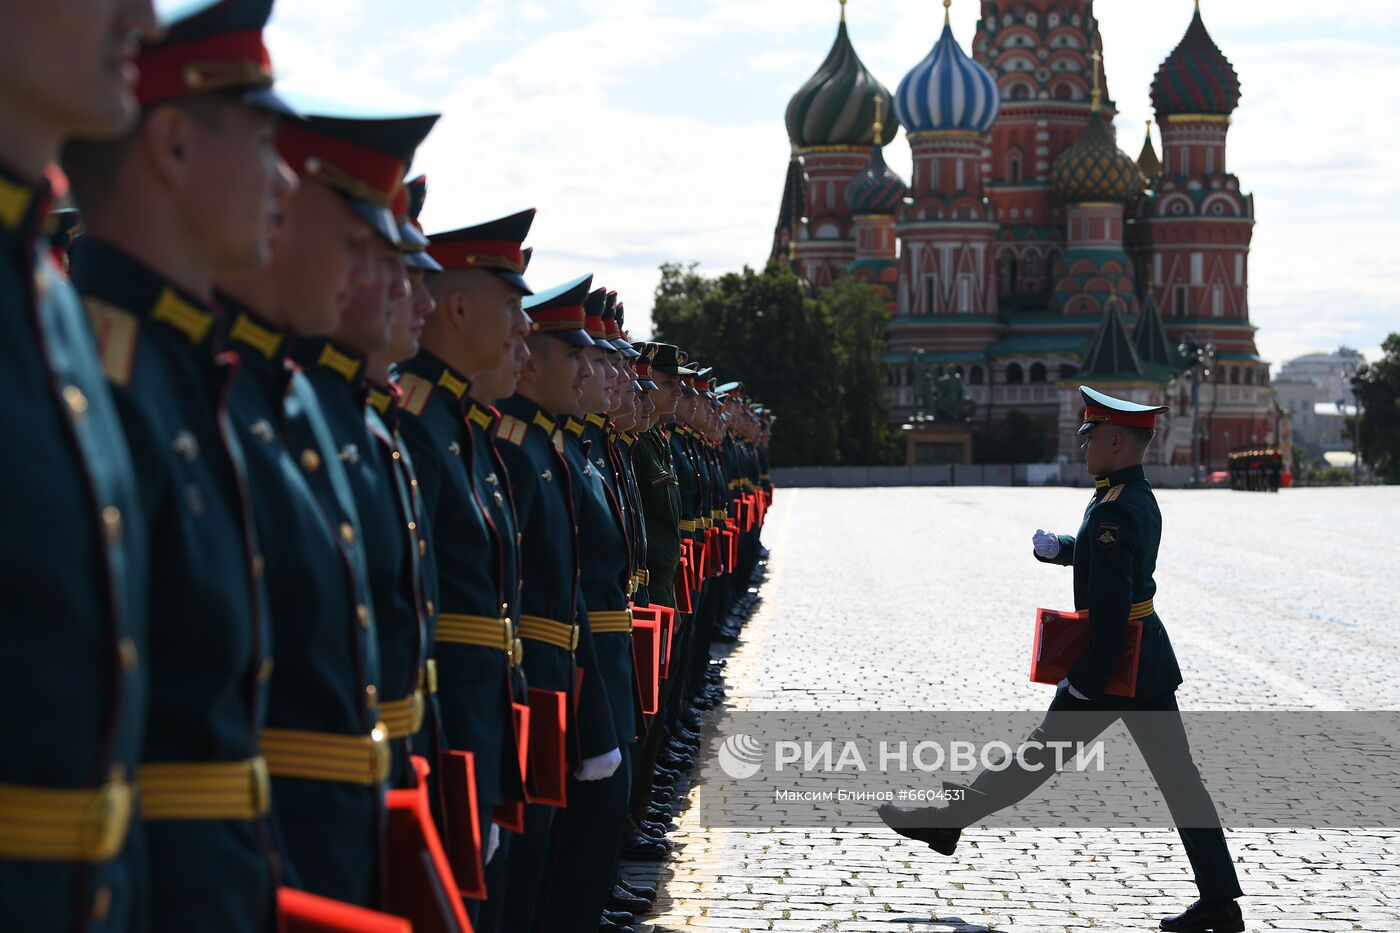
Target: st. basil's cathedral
1029 253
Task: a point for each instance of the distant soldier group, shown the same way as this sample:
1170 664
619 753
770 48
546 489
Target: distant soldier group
1256 469
349 582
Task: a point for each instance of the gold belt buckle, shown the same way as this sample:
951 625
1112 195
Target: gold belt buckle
573 637
109 818
379 753
261 781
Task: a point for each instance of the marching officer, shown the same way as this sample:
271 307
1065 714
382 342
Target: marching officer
194 191
553 622
75 616
468 361
1113 557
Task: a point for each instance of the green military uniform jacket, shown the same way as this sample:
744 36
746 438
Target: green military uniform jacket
1114 556
661 508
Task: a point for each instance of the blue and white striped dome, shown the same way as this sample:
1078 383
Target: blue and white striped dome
947 91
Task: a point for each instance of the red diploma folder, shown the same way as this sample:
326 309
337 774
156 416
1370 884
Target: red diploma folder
510 813
548 757
1062 637
646 657
457 777
421 884
303 912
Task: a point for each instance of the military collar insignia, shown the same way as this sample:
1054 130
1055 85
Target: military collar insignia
574 427
249 332
105 272
15 200
598 421
627 438
543 422
480 417
380 400
1101 482
24 206
343 365
451 383
189 319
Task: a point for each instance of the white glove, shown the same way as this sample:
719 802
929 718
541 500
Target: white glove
493 842
599 767
1047 544
1073 692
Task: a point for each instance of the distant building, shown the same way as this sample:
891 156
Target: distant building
1028 253
1316 390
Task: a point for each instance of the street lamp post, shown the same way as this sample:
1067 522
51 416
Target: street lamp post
1356 380
1199 358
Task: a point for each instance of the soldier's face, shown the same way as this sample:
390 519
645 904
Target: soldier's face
668 394
491 306
365 326
66 67
595 389
324 255
1100 446
407 316
236 186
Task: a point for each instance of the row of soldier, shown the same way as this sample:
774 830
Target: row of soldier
1256 469
350 582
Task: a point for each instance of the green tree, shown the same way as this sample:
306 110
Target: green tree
817 362
1378 427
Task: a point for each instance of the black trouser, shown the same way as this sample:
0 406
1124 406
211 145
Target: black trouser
1160 738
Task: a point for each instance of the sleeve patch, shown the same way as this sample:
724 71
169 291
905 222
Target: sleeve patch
511 429
115 331
416 391
1107 534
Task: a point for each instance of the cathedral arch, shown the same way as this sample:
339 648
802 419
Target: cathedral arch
974 376
1037 372
1015 375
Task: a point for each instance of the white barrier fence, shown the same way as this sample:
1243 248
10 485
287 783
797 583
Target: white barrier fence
1008 474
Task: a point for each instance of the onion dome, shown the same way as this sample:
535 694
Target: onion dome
877 189
1094 169
836 106
1196 77
947 90
1147 161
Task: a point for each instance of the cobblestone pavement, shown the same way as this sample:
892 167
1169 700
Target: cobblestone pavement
922 599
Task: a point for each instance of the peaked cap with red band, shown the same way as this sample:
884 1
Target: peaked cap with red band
216 49
612 323
413 245
495 246
362 158
642 365
559 312
1105 409
593 317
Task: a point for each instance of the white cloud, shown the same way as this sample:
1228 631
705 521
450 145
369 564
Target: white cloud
651 130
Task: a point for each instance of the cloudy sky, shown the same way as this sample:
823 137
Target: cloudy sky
648 131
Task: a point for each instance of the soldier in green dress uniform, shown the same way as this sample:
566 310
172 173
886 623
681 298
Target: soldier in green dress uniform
325 743
553 623
73 556
193 192
469 358
1114 556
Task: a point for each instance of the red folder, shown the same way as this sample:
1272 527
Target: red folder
510 814
668 630
646 657
304 912
459 811
1061 639
683 583
420 880
548 758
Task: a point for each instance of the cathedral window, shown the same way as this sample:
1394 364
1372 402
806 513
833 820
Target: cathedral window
1037 372
930 293
1013 168
965 293
1015 375
1198 265
1234 375
1217 300
1068 370
974 376
1180 301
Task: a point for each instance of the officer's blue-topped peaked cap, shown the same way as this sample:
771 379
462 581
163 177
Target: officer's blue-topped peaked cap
210 48
495 246
363 158
559 311
1105 409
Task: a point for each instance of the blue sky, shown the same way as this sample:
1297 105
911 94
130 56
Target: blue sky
652 130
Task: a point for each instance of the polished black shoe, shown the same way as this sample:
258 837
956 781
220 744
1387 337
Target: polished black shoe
607 926
917 823
654 829
643 847
622 918
637 889
621 899
1207 917
660 813
662 795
